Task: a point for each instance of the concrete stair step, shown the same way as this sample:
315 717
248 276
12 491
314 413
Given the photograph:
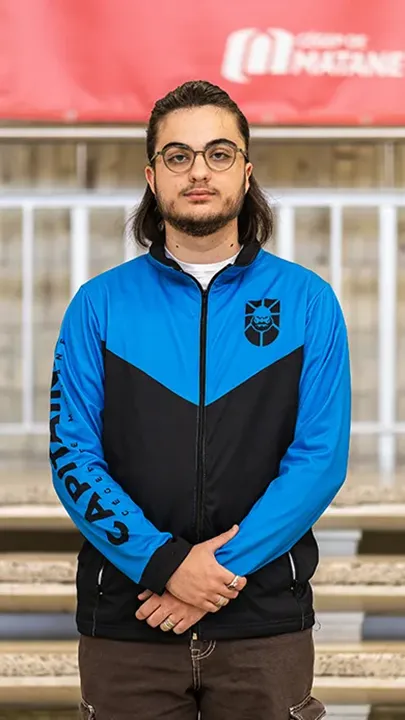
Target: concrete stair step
45 582
365 493
41 673
28 487
366 584
378 516
42 582
372 570
35 517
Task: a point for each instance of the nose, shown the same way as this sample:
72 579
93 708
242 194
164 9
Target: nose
199 170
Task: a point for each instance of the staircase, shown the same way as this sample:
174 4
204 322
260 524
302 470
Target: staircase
355 677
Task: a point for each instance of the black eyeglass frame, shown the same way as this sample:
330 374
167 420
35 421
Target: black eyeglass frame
183 146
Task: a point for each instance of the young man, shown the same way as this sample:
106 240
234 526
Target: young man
199 427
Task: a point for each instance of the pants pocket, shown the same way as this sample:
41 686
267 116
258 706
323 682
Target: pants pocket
308 709
86 711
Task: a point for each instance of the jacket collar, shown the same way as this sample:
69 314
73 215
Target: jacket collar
245 258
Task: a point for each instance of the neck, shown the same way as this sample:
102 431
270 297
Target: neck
210 249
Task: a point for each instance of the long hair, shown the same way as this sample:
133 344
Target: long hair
255 221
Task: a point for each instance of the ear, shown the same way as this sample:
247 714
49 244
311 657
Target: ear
248 172
150 177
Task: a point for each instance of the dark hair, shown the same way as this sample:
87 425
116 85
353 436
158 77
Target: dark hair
255 221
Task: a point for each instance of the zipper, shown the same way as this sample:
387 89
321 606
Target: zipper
294 586
201 419
99 594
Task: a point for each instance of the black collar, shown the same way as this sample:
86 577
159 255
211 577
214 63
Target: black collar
246 256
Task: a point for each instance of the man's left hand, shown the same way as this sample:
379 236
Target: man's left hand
157 608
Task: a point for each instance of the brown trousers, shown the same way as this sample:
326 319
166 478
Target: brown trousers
258 679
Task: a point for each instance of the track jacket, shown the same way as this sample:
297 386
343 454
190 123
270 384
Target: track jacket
177 412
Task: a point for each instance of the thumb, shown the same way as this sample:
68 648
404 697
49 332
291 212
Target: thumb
145 595
220 540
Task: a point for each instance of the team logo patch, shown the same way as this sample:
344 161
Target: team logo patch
262 321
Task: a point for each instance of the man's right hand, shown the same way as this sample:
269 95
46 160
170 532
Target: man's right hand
200 580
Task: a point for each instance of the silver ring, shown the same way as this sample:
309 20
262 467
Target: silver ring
232 585
167 625
222 601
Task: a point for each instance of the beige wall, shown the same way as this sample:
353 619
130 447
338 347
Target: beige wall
115 165
119 166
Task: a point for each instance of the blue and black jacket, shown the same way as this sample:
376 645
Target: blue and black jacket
177 412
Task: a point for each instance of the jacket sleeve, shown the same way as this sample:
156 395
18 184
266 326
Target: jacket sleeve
315 464
97 504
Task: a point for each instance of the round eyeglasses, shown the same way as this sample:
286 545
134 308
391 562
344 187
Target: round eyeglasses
180 158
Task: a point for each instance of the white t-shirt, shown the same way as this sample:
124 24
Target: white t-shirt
203 272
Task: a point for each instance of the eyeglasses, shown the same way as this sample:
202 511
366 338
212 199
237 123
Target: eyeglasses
219 156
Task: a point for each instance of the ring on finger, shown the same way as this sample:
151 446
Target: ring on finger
222 601
232 585
167 625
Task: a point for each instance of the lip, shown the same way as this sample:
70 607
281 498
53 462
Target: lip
199 193
199 196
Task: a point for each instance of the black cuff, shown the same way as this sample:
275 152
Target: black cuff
163 563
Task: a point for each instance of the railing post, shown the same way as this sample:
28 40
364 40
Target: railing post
387 339
286 232
79 247
130 249
336 261
27 344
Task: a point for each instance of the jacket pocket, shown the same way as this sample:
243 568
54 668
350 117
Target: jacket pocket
86 711
293 568
308 709
89 562
105 596
306 557
99 592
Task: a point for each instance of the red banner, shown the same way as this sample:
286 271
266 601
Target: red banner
292 62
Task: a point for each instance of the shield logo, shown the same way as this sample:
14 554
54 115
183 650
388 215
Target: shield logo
262 321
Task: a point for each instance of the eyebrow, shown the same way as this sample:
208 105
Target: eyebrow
207 145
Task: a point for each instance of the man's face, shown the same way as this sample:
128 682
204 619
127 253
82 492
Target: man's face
200 200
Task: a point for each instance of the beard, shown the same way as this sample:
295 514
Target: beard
201 227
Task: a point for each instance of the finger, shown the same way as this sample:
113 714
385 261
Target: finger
172 624
240 583
145 595
227 592
148 607
210 607
210 598
159 616
219 574
221 601
222 588
220 540
183 626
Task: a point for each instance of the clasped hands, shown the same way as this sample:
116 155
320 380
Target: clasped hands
198 586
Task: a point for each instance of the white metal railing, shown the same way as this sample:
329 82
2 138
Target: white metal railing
385 427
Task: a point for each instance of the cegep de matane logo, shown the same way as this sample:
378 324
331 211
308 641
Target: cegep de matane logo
250 52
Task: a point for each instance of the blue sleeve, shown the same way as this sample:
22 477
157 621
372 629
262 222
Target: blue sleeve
315 465
98 506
